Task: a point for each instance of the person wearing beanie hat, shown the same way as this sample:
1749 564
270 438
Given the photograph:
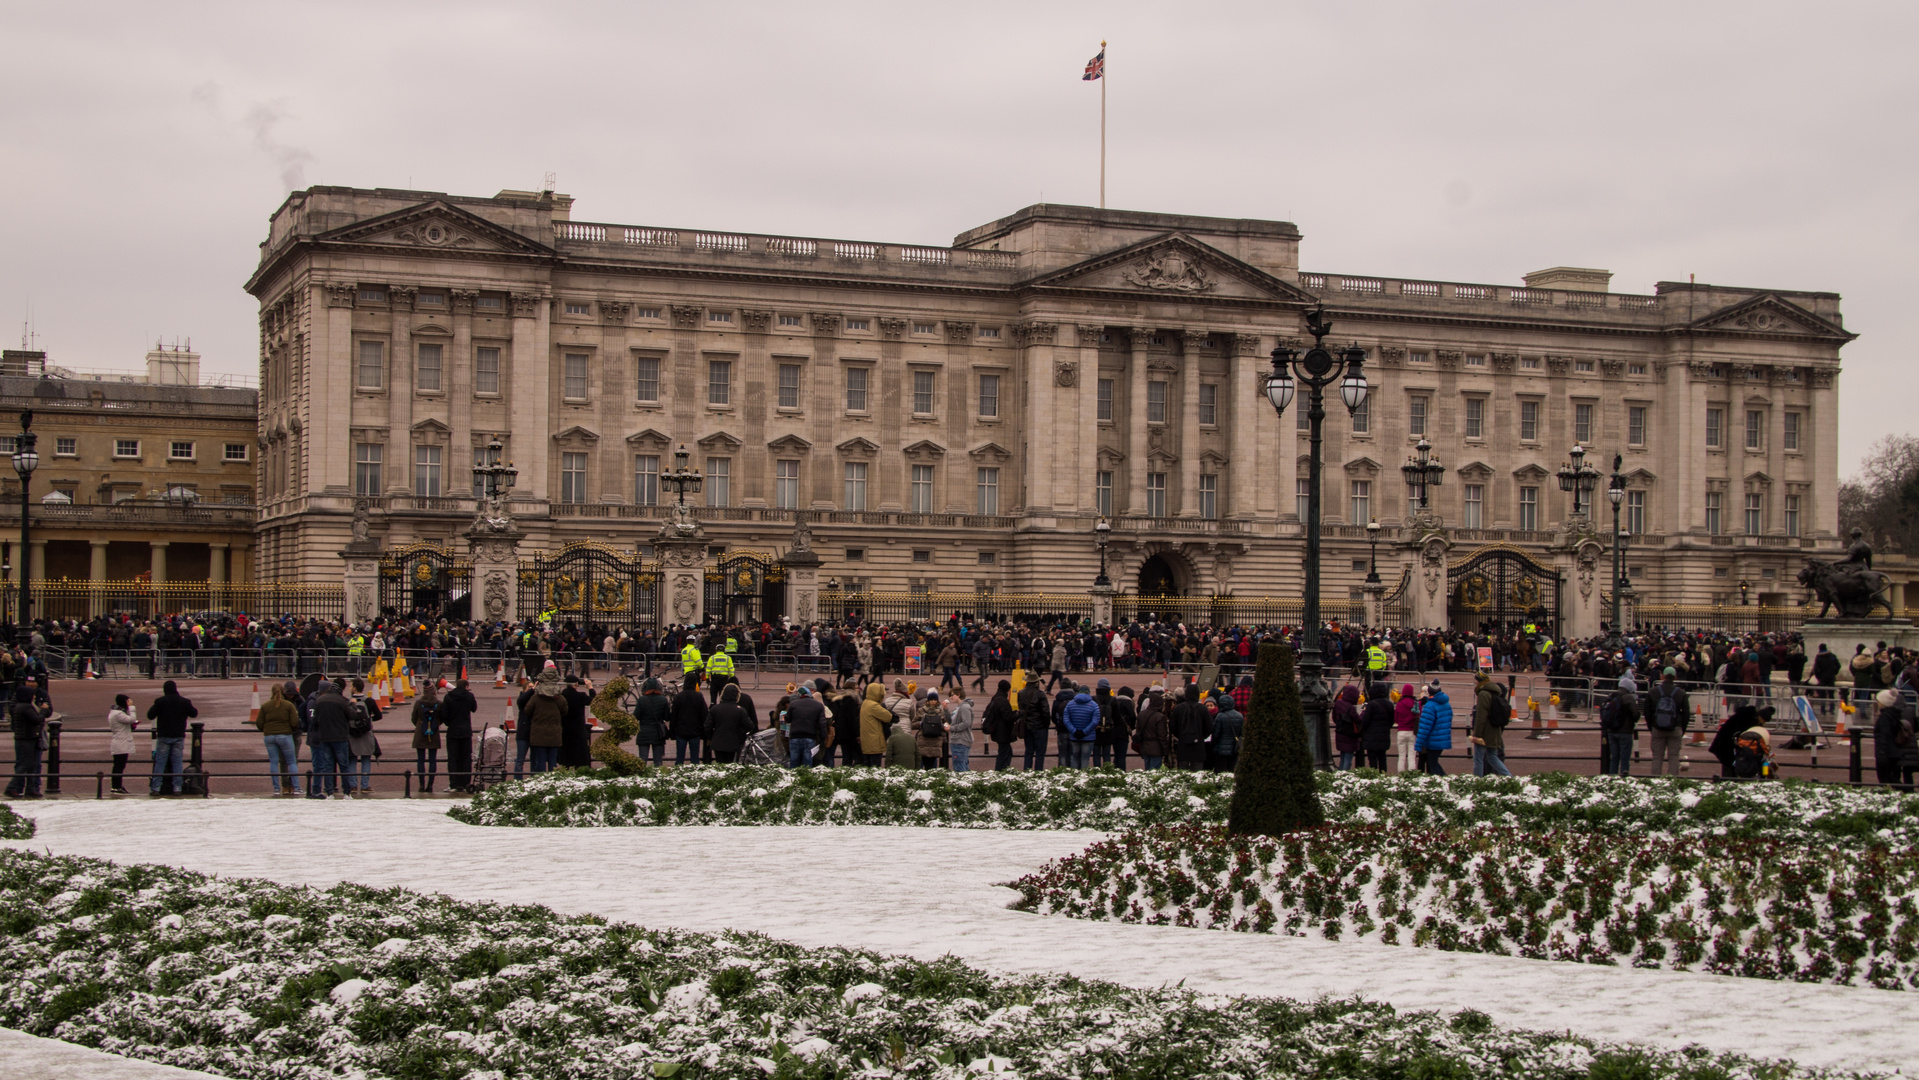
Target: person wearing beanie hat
1618 724
1668 710
1000 723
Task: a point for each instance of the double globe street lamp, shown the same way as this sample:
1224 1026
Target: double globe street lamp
1579 478
1422 470
1616 494
25 460
1317 368
1102 535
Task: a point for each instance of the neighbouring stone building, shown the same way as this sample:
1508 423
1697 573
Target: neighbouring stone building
143 476
958 418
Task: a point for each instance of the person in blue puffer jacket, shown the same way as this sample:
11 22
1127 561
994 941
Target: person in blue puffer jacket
1080 719
1435 730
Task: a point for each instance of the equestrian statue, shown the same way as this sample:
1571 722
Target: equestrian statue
1851 583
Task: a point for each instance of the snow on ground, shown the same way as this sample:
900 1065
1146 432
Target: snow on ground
25 1055
929 892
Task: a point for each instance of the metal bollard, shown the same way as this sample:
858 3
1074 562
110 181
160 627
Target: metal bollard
408 775
1856 771
193 744
53 757
99 785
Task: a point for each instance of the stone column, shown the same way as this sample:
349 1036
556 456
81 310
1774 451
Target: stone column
1190 342
496 573
159 563
1583 607
802 586
1429 588
1085 418
682 594
1243 401
216 564
1036 341
399 394
37 559
532 392
1135 423
1375 602
97 574
362 582
1103 604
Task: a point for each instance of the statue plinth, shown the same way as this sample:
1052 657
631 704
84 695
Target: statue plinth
1103 604
1844 636
681 547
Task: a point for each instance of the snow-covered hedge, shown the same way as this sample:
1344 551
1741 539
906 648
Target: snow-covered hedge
253 979
13 826
1104 799
1732 907
1108 800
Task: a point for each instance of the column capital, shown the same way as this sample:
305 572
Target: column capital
1193 340
150 543
1138 337
98 543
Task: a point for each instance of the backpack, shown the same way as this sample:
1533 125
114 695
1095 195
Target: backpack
1665 711
932 721
1902 732
1748 755
1499 711
358 722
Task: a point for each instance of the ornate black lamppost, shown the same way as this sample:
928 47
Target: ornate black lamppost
25 460
1372 538
1616 494
1102 534
492 476
1422 470
1745 589
683 479
1579 478
1319 368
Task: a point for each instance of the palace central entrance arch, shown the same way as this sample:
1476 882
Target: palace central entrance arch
1499 589
1156 578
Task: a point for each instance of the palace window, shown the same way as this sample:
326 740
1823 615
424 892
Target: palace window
1635 369
1583 367
638 313
1583 424
922 393
859 324
1529 509
646 479
1789 438
719 316
1156 494
234 451
719 481
1103 400
1103 492
1715 505
486 370
572 478
1755 513
1156 402
786 484
1636 513
988 396
1715 428
1475 360
426 370
719 382
989 331
856 389
646 384
789 320
1208 404
1792 515
1209 496
370 372
1472 515
1416 414
1362 502
922 491
1755 429
988 484
366 469
925 328
1529 421
1303 497
1635 425
855 486
179 450
789 386
1362 417
69 446
126 448
573 377
426 471
1475 418
576 308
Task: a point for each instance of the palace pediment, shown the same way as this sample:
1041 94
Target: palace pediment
436 225
1770 315
1174 266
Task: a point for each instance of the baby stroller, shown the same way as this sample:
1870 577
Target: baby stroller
491 768
762 748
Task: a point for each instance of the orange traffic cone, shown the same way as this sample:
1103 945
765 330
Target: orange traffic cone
384 699
89 674
1699 733
499 676
253 710
462 671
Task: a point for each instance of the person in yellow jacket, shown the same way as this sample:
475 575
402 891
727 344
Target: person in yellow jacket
1378 660
874 720
690 664
719 672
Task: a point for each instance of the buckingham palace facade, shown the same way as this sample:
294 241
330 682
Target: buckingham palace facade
958 418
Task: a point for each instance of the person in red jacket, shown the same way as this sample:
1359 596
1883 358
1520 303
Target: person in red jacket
1406 726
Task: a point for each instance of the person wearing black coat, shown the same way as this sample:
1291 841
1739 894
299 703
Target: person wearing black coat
652 712
1125 719
1035 721
999 722
575 733
845 710
1894 760
1376 726
1722 747
1192 725
687 723
728 725
456 712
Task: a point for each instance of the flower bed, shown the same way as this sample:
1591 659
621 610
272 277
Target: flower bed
1732 907
254 979
13 826
1104 799
1791 810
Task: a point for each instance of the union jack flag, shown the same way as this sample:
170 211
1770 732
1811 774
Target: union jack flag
1095 67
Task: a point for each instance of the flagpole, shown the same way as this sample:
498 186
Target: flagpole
1102 128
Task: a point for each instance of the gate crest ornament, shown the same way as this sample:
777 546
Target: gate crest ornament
1172 271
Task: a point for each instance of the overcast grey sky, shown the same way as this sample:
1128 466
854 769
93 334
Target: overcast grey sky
1757 144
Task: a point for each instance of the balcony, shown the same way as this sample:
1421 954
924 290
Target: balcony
1201 526
845 257
143 513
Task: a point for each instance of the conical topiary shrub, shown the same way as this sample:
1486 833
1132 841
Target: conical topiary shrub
1273 790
